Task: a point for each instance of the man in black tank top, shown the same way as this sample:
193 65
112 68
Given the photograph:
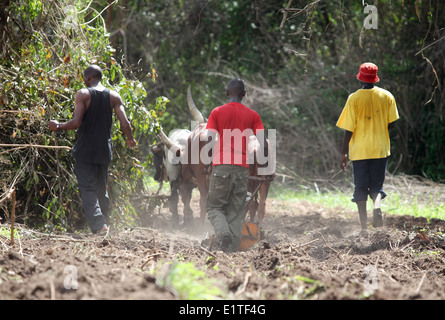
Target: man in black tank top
92 152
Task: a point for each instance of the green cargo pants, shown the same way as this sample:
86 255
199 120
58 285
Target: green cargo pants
226 201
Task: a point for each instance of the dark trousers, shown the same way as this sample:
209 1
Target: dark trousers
92 179
226 201
369 176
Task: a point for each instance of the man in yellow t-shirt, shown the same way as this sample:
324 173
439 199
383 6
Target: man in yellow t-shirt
368 115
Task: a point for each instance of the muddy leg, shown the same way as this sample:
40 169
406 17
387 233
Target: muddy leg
202 207
173 202
377 218
186 195
363 215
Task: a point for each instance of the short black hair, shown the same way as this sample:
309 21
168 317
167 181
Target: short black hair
236 87
93 71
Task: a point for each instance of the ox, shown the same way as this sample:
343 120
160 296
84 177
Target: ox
171 171
193 173
198 172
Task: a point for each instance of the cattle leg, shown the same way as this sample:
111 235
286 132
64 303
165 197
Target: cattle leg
253 208
253 205
264 190
202 205
186 194
173 202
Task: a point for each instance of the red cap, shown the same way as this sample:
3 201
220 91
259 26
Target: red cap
368 73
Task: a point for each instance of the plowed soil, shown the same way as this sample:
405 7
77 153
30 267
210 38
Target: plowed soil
309 252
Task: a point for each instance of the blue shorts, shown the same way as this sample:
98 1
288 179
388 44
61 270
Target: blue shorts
369 176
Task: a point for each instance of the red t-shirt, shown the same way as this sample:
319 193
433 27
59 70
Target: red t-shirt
235 123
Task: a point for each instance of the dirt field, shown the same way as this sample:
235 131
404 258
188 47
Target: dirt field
309 252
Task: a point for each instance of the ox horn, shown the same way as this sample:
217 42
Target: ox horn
166 140
196 114
169 144
163 137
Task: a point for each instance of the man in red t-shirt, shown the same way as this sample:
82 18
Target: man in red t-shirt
233 124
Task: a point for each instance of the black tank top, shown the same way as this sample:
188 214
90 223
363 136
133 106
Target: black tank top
94 135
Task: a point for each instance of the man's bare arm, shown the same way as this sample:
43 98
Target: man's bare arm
80 105
118 106
344 150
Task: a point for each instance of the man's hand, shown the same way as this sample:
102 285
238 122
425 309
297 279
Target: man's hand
53 125
131 143
344 149
344 162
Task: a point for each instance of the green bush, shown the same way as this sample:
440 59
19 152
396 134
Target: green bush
45 47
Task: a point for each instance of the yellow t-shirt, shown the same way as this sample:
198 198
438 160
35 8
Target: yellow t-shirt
367 114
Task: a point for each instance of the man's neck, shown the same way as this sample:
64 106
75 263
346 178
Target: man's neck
235 99
367 85
98 86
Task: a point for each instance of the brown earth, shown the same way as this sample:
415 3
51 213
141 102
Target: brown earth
309 252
